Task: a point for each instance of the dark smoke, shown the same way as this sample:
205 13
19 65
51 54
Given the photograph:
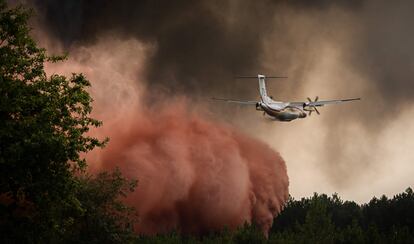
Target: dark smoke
200 44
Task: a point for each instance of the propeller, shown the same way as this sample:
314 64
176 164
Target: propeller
313 108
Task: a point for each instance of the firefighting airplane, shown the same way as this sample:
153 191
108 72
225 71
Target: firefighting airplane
283 111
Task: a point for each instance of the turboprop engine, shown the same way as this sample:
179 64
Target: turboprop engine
259 106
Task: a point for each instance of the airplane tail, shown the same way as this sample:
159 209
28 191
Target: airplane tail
262 88
262 85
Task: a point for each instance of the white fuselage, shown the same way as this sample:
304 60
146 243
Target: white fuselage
281 111
277 110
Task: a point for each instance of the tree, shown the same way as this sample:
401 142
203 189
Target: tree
43 126
318 226
105 219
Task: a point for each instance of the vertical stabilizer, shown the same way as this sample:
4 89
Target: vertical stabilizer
262 88
262 85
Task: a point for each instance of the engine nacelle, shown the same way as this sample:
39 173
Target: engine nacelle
259 106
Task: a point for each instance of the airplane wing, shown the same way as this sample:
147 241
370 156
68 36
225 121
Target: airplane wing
317 103
236 101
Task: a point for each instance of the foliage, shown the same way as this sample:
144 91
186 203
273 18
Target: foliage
379 221
44 195
323 219
247 233
105 218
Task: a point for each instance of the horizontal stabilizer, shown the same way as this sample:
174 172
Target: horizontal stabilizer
235 101
255 77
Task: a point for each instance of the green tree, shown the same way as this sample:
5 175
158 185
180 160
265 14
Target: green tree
249 233
352 233
105 219
318 226
43 126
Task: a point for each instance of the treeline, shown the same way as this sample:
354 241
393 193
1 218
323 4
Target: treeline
323 219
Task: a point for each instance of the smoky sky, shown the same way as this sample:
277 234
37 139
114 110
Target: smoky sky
200 44
334 49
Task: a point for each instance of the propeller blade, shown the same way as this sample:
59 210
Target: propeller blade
316 110
310 112
316 98
309 99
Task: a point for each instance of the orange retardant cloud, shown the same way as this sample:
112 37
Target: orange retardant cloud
194 175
